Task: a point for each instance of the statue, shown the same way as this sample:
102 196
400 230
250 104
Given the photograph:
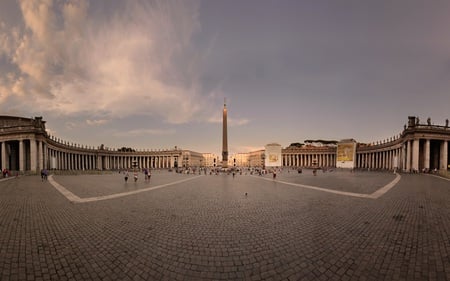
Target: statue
417 120
446 123
429 121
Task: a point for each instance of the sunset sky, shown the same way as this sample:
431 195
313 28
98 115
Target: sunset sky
154 74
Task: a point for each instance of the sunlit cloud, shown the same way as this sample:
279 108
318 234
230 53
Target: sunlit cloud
232 122
244 149
139 60
144 132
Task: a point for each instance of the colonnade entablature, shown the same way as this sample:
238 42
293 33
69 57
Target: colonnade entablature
379 146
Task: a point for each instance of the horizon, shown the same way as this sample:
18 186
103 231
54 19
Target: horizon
154 74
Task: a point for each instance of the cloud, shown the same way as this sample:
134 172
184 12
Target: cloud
96 122
139 59
232 122
143 132
71 125
244 149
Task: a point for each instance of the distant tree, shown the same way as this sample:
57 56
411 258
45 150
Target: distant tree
296 144
322 141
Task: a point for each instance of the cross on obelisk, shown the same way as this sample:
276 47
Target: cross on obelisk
224 136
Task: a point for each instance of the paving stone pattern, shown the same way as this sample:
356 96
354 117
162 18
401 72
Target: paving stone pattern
207 229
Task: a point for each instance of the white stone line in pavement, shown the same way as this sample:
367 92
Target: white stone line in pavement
439 177
374 195
75 199
386 188
69 195
9 178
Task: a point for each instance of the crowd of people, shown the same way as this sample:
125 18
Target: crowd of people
147 175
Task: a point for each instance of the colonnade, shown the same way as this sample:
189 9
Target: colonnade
302 159
26 147
389 159
425 154
27 154
411 155
85 160
31 154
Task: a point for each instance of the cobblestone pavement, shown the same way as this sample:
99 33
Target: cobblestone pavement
208 229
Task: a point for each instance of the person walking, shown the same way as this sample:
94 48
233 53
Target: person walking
146 174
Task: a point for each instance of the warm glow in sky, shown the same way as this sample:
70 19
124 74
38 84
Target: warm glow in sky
154 74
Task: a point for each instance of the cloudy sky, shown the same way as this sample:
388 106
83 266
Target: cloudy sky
154 74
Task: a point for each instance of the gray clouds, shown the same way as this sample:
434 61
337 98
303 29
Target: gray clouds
159 70
136 59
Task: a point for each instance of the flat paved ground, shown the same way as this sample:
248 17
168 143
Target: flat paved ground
206 228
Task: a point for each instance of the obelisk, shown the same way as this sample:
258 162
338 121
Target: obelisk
224 137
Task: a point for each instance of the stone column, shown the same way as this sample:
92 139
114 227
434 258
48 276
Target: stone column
408 156
21 156
427 154
385 160
380 160
63 161
382 157
3 160
45 161
58 159
385 157
415 155
444 156
390 159
33 154
41 155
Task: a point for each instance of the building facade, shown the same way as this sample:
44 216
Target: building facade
419 148
26 147
210 160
